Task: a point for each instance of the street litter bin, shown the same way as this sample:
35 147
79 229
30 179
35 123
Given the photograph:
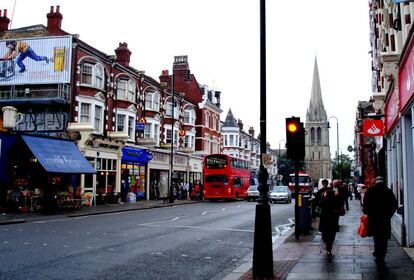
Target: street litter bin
305 213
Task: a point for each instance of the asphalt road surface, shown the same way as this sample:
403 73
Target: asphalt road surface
206 240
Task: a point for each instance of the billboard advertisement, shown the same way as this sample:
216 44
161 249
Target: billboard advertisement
44 60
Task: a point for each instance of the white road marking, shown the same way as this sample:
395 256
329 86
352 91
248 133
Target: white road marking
111 249
65 246
5 242
234 260
204 213
196 227
208 258
26 243
184 256
159 253
44 244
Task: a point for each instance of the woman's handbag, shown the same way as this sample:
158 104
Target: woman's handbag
318 211
363 226
342 210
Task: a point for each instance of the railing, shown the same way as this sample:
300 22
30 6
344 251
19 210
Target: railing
58 92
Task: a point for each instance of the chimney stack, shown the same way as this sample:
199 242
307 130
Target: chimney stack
165 78
123 54
4 21
240 124
54 21
251 131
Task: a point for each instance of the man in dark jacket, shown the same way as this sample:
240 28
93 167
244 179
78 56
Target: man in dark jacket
380 205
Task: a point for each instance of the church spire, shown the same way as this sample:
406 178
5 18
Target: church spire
316 110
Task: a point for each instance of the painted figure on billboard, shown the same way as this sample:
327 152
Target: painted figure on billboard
21 50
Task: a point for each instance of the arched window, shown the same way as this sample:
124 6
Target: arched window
313 142
126 90
189 116
152 101
92 75
319 136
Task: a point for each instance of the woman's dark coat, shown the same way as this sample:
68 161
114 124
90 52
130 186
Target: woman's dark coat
380 205
330 204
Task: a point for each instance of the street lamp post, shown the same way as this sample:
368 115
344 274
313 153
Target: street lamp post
262 247
171 191
337 138
278 159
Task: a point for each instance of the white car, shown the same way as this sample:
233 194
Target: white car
252 193
280 193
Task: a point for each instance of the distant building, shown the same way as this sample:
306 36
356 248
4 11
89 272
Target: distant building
317 151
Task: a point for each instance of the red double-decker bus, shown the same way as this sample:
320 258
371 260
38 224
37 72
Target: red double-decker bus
225 177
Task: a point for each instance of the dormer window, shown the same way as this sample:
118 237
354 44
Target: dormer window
92 75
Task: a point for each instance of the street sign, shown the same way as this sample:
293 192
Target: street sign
140 126
267 160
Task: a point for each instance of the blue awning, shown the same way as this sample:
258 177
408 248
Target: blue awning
136 155
58 156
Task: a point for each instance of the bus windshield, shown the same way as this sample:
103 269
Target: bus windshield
216 178
216 161
302 179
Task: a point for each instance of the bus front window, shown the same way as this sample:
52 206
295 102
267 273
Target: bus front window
217 179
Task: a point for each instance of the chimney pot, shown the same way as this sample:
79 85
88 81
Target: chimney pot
5 12
4 21
52 9
57 9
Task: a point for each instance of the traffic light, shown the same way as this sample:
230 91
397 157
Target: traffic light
295 139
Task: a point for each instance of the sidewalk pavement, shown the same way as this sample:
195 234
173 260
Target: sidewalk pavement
352 260
13 218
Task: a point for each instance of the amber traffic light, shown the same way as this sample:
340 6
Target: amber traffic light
295 139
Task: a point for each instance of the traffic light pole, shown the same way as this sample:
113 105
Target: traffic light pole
297 215
262 247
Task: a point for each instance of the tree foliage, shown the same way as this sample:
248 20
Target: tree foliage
343 169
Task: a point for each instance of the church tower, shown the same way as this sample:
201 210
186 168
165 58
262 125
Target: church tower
317 151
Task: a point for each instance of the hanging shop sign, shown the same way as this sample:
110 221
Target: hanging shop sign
373 128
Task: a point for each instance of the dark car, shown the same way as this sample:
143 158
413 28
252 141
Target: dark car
280 194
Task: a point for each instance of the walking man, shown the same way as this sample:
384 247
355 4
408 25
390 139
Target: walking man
380 205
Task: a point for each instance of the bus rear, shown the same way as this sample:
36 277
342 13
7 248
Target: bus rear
225 177
305 183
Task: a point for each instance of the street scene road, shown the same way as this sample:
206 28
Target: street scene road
206 240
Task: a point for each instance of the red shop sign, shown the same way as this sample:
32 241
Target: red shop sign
391 111
406 77
373 128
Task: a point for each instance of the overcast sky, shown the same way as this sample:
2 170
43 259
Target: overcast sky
221 39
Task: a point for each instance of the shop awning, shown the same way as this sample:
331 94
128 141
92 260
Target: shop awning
136 155
58 156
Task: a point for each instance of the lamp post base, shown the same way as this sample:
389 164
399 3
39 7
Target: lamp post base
262 248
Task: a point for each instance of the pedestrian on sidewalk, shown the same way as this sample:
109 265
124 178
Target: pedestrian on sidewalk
379 205
330 202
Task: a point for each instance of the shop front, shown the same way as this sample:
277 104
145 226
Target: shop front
40 173
195 169
400 146
159 168
134 173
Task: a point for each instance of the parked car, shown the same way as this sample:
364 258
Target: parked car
252 193
280 193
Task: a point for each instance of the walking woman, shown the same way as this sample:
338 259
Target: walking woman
330 202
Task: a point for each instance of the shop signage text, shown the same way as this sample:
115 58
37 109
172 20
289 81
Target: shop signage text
42 122
406 78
